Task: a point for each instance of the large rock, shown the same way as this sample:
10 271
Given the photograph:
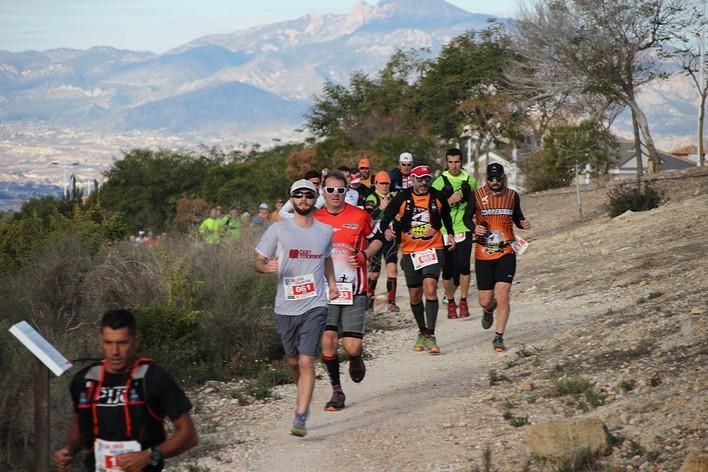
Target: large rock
565 438
695 462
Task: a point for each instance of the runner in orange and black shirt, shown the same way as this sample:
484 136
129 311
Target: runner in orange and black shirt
421 212
495 208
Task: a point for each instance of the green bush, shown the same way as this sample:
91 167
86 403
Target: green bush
631 196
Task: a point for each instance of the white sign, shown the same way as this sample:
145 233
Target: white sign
40 347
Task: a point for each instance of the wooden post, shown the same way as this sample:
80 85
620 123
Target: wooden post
41 416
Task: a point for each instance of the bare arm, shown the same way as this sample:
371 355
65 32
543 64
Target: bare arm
331 280
64 456
184 438
265 265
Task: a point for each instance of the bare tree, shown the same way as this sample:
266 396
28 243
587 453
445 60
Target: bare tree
607 48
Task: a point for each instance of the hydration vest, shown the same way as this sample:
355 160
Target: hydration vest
140 422
433 208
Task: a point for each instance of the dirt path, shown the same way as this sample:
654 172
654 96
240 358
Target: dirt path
620 302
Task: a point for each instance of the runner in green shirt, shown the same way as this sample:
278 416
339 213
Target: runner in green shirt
456 185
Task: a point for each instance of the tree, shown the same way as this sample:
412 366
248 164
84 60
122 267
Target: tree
600 47
566 150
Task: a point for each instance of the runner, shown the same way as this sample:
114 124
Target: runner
495 208
365 174
375 204
456 185
422 212
118 435
352 227
299 250
401 175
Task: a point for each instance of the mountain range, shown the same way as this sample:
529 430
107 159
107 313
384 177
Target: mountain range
254 81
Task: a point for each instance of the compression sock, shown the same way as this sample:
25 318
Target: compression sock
431 313
372 287
332 364
391 288
419 314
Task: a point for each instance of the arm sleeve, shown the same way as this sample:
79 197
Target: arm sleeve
287 210
390 212
468 217
164 394
445 214
518 214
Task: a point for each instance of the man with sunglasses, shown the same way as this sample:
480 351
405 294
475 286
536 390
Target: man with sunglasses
315 178
365 175
492 211
299 250
456 185
421 212
352 229
401 175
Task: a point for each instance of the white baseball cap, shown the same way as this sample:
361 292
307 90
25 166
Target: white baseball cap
405 157
263 206
303 184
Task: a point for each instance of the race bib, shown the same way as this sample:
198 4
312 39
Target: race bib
300 287
424 258
346 294
519 246
106 452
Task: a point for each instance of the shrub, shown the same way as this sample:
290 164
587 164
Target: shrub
630 196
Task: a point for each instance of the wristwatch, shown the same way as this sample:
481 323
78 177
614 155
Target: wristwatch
155 457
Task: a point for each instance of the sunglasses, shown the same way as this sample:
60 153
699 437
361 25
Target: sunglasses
383 183
308 195
495 180
339 190
405 165
427 179
363 168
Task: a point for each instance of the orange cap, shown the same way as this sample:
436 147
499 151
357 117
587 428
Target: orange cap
364 163
382 177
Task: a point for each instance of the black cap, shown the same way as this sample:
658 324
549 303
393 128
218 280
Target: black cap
495 170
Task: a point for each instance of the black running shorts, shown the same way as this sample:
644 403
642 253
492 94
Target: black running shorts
498 270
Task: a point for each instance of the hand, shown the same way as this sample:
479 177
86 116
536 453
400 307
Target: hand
333 292
455 197
62 459
452 245
354 260
133 461
480 230
272 266
525 224
388 234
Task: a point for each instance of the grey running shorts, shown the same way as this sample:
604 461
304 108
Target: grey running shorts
301 334
351 319
414 278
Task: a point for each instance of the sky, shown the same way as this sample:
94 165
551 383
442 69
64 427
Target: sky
159 25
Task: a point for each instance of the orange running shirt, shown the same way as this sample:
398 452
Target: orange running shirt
413 240
497 213
352 227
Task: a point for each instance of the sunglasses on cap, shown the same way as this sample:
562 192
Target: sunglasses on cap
426 178
299 194
339 190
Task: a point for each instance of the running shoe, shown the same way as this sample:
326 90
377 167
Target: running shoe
444 300
299 429
357 369
451 310
419 344
488 316
498 344
464 310
431 345
335 403
393 308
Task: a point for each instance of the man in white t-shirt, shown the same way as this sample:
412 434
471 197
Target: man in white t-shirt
299 250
